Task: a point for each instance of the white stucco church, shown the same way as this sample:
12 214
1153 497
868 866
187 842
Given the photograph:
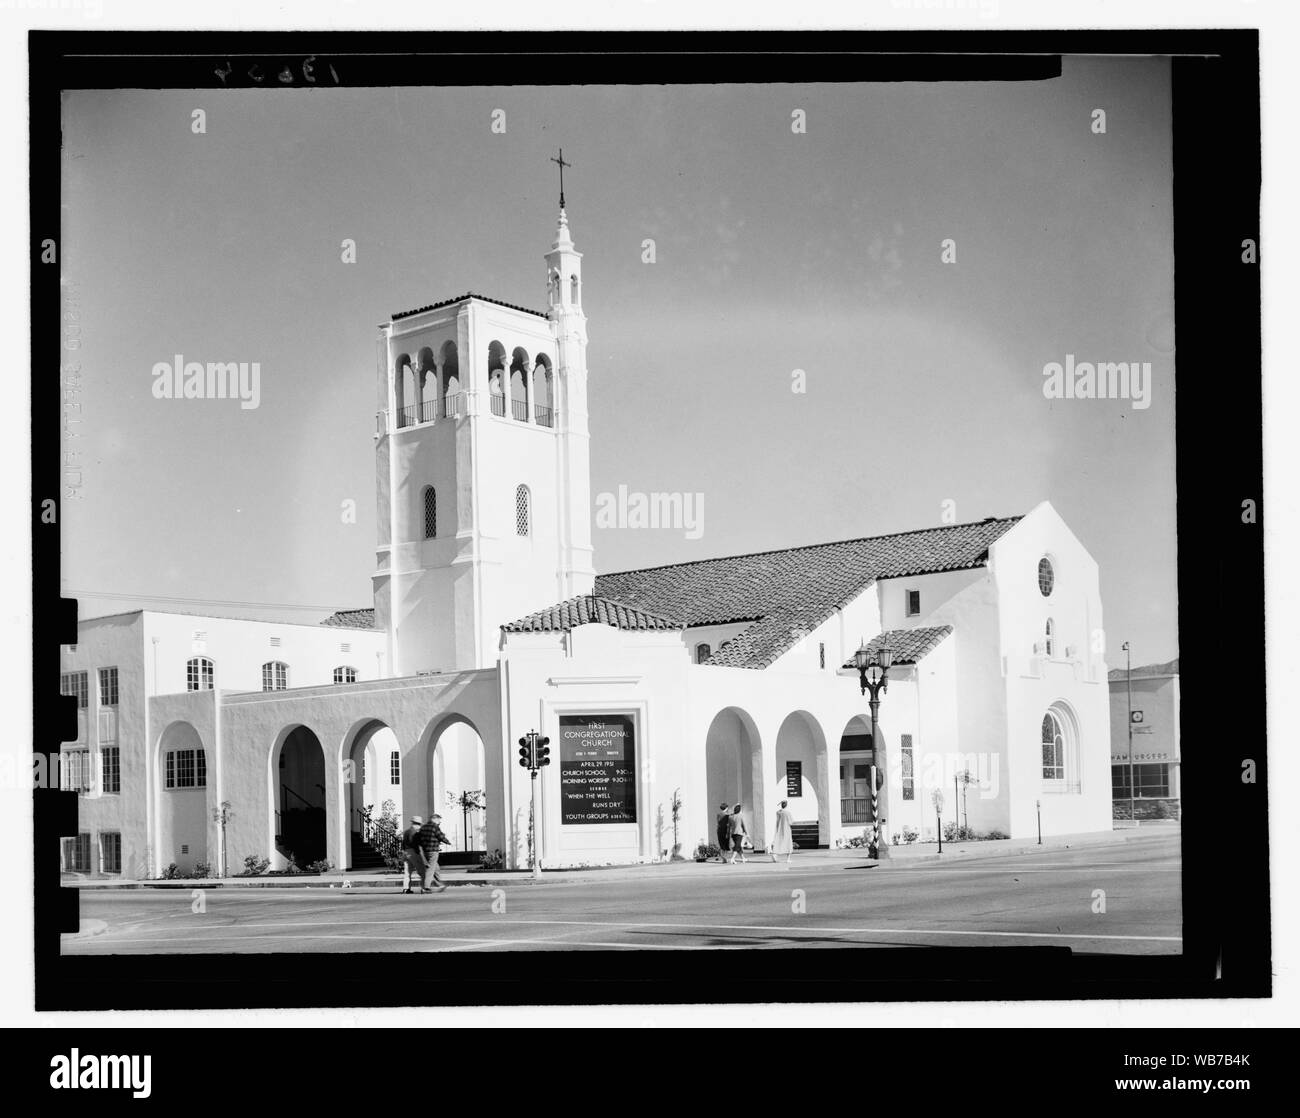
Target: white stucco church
727 679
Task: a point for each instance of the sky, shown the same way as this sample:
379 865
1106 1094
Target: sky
775 251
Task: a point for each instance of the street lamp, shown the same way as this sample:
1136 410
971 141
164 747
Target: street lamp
873 675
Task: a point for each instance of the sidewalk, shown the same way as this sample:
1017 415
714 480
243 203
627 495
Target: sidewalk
901 857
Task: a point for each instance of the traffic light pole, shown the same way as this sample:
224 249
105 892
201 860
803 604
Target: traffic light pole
532 821
534 755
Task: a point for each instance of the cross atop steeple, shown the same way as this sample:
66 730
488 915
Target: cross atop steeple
562 164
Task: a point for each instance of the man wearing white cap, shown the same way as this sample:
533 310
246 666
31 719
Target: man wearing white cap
412 859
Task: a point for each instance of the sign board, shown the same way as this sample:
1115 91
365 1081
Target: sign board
793 779
1136 716
597 768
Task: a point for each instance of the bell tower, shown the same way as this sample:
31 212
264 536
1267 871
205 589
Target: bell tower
482 469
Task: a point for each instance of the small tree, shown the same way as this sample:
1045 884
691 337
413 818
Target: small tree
677 815
468 802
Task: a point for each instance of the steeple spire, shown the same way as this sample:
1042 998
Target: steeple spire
562 164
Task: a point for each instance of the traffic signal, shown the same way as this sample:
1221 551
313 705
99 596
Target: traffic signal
543 752
525 754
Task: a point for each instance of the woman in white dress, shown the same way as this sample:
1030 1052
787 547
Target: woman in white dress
783 840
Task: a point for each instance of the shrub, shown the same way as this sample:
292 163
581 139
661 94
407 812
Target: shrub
253 865
953 832
910 834
171 873
202 869
996 835
707 850
492 860
324 865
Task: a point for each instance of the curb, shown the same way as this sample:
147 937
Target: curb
613 873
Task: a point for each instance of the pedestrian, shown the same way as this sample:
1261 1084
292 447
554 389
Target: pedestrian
412 859
783 840
738 834
430 840
722 825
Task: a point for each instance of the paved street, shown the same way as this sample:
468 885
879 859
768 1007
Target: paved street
1042 898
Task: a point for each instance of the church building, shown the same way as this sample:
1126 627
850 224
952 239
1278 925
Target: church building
664 692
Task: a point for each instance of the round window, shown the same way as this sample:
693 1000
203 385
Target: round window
1046 577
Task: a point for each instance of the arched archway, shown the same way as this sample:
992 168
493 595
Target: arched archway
455 766
450 358
297 778
857 760
732 753
404 389
543 391
182 809
372 780
801 777
427 383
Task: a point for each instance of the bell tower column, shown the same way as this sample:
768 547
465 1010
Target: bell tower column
576 574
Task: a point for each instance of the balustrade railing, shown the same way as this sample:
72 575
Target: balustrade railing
498 405
545 415
519 409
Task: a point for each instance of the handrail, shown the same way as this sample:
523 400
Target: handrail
306 803
545 415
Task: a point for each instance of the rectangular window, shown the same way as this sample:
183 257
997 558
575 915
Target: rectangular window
794 779
913 603
275 676
111 766
108 687
187 768
110 852
1150 781
909 784
821 654
77 685
75 770
76 853
395 768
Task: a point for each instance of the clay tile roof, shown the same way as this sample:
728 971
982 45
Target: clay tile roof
909 645
461 299
351 619
589 609
788 593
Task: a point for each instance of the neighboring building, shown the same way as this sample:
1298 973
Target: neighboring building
722 679
1157 785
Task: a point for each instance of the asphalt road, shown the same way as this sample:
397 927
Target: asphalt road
1043 898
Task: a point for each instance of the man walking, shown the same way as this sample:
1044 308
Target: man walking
430 840
722 826
412 860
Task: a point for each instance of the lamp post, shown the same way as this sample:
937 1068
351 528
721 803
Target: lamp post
1128 671
873 676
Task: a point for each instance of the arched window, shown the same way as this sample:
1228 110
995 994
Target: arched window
275 675
198 674
345 675
522 527
702 653
1050 638
430 513
574 291
1053 747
